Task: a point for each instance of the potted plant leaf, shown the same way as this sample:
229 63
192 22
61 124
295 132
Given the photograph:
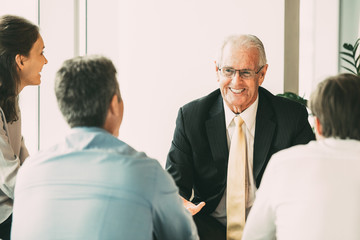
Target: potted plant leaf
351 55
294 97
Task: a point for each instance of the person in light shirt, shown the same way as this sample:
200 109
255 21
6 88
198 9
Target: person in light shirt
312 191
91 185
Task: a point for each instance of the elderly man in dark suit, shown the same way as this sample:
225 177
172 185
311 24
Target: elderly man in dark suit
199 154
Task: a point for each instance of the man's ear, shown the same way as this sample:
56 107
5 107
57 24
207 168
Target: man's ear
19 59
318 127
217 71
263 73
114 106
114 116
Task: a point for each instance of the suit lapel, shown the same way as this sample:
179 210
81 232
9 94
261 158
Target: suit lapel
264 132
216 132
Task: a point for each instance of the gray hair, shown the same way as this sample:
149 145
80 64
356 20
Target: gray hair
247 41
335 102
84 87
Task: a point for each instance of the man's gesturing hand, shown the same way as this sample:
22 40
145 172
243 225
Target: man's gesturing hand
192 208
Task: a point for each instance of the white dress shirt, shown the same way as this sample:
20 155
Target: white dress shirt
309 192
249 117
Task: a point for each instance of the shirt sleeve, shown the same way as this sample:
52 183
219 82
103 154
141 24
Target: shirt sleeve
171 219
179 161
260 223
9 162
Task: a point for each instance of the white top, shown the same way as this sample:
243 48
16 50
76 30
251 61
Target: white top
249 117
309 192
12 154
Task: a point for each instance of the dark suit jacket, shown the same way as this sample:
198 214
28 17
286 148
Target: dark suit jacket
199 153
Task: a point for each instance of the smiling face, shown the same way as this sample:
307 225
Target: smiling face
31 66
239 93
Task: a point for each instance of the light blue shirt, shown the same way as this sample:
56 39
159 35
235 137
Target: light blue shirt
94 186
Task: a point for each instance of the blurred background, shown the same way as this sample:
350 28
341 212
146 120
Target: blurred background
164 51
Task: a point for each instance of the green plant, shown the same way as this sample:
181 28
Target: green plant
294 97
350 57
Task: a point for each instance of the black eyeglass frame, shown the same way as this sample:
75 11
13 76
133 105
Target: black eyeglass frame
235 70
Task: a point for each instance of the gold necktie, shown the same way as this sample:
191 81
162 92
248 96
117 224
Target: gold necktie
237 183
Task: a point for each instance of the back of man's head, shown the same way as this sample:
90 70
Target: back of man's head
84 88
336 103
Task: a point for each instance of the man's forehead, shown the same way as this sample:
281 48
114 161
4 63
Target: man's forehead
236 54
245 49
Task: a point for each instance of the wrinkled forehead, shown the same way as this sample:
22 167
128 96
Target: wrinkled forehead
240 56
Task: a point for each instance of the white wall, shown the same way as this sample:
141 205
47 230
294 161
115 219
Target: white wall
164 51
319 40
57 29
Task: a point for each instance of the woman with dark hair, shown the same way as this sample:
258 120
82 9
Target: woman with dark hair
21 61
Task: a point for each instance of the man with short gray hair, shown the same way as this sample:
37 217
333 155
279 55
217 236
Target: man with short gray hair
200 158
92 185
312 191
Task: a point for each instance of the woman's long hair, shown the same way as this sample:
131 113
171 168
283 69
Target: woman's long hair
17 36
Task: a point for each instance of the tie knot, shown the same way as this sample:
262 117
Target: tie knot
238 121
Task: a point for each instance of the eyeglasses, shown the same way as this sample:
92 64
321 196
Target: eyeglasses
230 72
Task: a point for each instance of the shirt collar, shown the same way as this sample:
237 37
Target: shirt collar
249 115
87 129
